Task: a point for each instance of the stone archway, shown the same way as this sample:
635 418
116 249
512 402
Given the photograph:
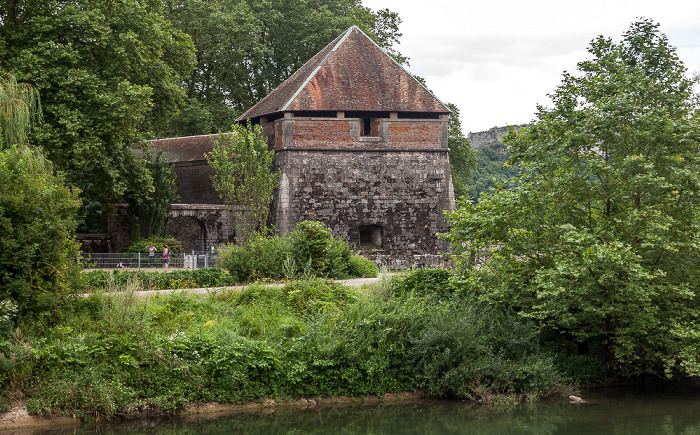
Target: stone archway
200 225
189 231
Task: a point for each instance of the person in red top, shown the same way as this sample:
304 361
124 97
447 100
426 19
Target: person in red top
166 256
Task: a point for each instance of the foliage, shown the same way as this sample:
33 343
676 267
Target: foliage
309 250
141 245
493 170
598 241
205 277
36 226
109 73
122 355
362 267
432 284
463 160
244 177
246 49
149 216
20 109
238 261
483 354
264 257
313 242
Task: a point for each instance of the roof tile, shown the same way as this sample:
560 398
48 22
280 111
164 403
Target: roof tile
350 74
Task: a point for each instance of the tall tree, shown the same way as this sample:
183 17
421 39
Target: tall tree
36 215
462 155
20 109
150 217
247 48
244 177
599 240
109 73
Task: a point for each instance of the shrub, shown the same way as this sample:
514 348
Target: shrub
36 225
141 245
363 267
313 242
269 254
468 350
309 242
238 261
432 283
310 250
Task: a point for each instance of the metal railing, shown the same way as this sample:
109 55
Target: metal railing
139 261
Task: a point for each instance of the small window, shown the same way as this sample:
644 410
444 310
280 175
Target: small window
371 236
366 126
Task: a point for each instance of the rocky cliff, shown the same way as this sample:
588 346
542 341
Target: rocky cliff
495 134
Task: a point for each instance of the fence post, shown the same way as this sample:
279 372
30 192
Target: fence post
139 262
194 261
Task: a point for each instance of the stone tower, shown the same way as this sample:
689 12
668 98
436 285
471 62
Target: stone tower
362 147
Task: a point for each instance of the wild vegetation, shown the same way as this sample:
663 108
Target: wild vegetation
125 356
585 270
113 73
597 242
244 177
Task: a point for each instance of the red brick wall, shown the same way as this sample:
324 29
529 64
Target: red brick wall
334 132
418 134
322 132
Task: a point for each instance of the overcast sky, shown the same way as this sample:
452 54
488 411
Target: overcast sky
497 59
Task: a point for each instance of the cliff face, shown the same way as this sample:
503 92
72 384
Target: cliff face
495 134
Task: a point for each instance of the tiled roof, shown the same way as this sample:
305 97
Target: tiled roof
183 149
350 74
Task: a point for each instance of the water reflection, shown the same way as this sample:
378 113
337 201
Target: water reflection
638 412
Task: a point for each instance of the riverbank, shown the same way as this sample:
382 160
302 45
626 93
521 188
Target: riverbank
18 416
120 355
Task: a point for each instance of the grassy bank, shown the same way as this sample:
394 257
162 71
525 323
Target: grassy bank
118 355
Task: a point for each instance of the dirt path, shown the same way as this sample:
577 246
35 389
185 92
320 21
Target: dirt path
354 282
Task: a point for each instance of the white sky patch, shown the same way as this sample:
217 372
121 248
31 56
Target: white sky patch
496 60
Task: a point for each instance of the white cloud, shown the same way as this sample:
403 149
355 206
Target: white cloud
498 59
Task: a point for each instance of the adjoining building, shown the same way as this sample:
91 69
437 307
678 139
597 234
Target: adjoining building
361 146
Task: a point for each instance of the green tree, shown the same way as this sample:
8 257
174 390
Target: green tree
150 217
36 226
36 214
109 73
247 48
244 177
20 109
598 242
493 170
462 156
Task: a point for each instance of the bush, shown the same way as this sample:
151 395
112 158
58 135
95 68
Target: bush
36 225
470 351
313 242
270 254
238 261
363 267
141 245
310 250
431 283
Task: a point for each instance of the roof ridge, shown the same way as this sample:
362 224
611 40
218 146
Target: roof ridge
352 72
313 73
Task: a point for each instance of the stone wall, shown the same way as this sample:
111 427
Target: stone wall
394 188
118 225
193 181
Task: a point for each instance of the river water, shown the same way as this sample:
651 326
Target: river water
606 412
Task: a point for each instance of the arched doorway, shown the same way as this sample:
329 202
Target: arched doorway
190 231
